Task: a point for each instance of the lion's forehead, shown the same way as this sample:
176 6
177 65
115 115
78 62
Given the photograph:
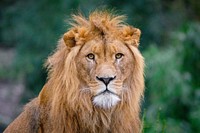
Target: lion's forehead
104 47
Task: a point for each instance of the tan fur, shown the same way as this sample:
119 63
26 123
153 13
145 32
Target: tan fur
65 104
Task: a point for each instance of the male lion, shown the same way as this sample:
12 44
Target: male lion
95 81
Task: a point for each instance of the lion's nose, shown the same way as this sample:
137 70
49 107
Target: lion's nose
107 80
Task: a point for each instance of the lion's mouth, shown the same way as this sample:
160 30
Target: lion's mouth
106 91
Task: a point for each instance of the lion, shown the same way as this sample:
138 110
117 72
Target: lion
95 81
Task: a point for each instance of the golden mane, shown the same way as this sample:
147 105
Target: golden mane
61 102
63 71
102 22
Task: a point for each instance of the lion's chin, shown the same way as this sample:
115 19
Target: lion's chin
106 100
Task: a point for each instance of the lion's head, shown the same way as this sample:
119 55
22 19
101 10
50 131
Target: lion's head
105 66
97 66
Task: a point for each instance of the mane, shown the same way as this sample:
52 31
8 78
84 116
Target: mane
100 22
63 79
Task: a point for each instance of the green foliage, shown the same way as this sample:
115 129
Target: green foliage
191 65
172 90
191 55
34 28
166 91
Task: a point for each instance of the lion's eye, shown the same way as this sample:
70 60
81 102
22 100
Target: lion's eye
91 56
119 55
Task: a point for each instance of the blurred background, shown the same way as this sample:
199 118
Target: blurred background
170 43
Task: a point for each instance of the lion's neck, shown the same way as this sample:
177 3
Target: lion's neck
82 116
100 120
95 120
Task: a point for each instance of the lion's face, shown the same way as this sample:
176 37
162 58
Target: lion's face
104 67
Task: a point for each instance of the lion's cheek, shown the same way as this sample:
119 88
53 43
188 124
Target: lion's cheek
83 71
125 69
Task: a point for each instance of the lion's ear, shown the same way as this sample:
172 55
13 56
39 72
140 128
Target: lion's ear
69 38
76 36
131 35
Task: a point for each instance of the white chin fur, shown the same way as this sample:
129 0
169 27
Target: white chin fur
106 100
